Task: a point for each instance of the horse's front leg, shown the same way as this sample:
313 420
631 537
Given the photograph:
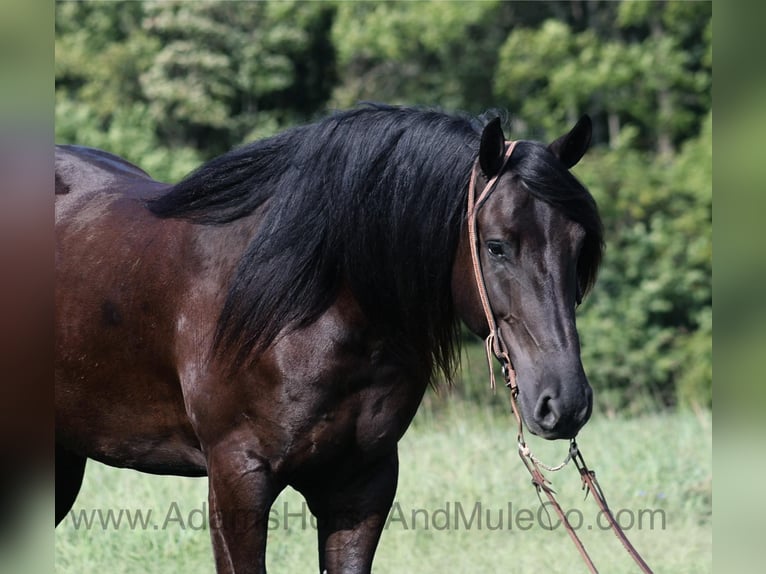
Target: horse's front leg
351 515
241 492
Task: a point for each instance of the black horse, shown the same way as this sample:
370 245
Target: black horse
275 318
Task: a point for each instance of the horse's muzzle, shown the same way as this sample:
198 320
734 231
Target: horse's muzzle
558 415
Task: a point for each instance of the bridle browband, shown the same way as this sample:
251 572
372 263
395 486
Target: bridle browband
494 345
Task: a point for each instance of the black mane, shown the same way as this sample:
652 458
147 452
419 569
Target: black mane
373 199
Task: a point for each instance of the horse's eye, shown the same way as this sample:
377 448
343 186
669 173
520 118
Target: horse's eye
496 248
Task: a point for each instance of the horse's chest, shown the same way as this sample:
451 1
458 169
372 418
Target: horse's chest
384 413
335 392
364 415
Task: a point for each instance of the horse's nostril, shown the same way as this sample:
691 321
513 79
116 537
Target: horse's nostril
547 411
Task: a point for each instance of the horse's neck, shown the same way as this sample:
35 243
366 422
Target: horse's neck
464 292
220 248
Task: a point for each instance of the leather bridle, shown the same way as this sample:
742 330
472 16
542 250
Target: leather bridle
497 347
494 343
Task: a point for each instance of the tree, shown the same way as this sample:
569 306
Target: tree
646 329
168 84
230 72
419 52
647 67
101 52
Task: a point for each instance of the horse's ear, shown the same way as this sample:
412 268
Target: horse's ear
492 148
570 147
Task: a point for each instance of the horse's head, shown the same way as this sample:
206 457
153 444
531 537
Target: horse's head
539 244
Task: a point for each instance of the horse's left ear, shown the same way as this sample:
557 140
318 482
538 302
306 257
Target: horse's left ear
492 149
570 147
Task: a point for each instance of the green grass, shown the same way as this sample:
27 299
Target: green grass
455 454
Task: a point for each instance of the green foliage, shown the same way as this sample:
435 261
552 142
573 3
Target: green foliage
170 84
226 69
129 133
203 75
410 52
646 328
649 71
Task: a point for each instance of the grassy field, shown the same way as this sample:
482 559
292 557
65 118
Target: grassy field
464 504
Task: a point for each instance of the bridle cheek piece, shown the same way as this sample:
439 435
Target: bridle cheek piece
494 344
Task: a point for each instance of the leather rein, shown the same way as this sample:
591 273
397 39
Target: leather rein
496 346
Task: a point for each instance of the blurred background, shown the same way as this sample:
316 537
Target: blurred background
169 85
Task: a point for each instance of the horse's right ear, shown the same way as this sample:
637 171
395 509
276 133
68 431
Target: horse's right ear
492 148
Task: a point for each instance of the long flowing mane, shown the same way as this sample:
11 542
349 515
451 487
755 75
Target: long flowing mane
373 199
